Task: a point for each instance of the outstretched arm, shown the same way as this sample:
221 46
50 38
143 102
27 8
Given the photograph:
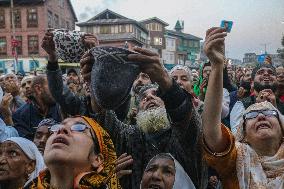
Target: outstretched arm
211 119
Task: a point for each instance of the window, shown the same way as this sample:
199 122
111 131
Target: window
89 29
33 44
105 29
67 25
122 28
18 44
196 44
62 23
56 21
32 17
2 18
61 3
3 46
49 19
17 18
158 41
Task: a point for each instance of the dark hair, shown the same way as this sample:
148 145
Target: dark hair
38 80
262 66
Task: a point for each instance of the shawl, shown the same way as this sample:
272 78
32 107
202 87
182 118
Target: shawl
30 149
91 180
254 171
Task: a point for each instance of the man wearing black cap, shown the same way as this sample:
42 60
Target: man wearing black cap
166 122
264 85
73 80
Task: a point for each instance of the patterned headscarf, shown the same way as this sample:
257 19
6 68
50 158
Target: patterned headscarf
89 180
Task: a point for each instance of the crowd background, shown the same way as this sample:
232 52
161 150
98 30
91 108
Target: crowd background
157 129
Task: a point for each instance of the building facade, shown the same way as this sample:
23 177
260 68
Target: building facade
187 45
31 19
250 58
156 28
116 30
169 53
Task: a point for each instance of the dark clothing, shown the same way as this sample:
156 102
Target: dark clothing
251 100
181 140
69 102
226 81
27 117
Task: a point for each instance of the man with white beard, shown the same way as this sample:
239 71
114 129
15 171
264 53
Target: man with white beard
166 123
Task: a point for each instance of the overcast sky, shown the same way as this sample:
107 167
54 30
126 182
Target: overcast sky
256 22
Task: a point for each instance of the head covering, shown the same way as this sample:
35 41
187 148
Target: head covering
72 70
145 88
30 149
182 180
47 122
262 66
196 87
257 106
256 171
180 67
92 179
107 175
10 74
69 45
29 77
112 76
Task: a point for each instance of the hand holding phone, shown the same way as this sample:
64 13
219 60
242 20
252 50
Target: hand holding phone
227 24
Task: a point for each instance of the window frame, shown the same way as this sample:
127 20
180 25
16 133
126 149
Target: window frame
17 22
33 50
3 20
32 22
5 47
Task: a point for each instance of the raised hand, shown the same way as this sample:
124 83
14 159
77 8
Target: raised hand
214 45
266 95
5 104
86 64
90 40
48 45
151 65
122 163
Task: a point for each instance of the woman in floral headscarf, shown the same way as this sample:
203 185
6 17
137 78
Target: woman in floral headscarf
255 158
78 154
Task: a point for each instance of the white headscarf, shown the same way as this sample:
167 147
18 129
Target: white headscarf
181 67
256 171
30 149
182 180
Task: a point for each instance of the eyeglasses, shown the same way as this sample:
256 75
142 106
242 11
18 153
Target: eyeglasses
254 114
78 127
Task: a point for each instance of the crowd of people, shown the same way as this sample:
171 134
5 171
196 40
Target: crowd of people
217 127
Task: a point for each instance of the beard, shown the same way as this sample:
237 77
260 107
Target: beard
48 100
153 120
259 87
